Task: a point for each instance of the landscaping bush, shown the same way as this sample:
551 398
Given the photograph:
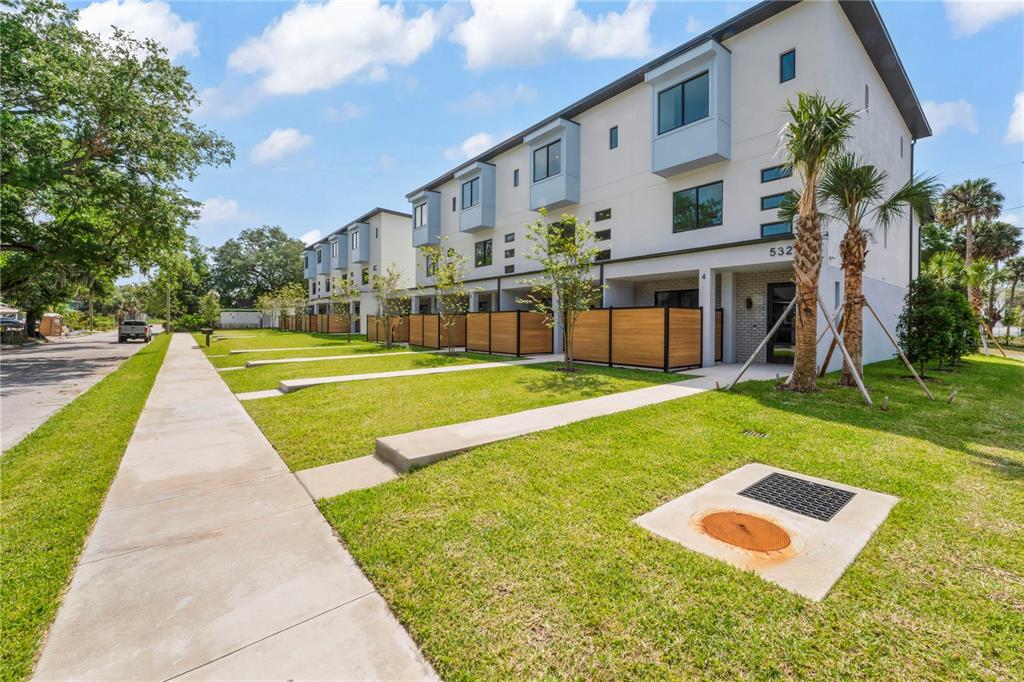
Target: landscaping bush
190 322
936 324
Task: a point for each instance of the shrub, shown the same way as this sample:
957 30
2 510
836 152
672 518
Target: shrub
189 322
936 324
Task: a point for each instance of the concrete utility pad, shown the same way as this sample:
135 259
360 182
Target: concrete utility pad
820 551
335 479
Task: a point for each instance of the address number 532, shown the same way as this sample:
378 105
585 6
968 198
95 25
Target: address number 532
781 251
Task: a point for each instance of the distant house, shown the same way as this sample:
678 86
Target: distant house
240 318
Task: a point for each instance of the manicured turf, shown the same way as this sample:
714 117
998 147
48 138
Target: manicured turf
224 359
52 487
331 423
270 338
521 560
268 376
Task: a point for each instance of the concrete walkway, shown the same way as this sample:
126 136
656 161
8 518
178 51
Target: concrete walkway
350 356
210 561
290 385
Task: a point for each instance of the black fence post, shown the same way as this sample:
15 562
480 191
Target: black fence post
701 309
518 335
666 340
611 311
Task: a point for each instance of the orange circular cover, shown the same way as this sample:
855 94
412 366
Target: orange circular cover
746 531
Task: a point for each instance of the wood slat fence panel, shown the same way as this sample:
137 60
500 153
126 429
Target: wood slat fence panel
535 336
638 337
590 336
503 333
478 332
684 337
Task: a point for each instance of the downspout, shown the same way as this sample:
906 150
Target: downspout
910 270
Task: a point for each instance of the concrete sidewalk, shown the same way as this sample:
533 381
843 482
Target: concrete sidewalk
210 561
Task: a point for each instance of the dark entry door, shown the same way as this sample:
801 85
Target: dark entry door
782 345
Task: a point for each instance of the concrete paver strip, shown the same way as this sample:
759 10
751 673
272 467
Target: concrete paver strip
209 559
350 356
331 480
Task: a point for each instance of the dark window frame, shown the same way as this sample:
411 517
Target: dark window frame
602 235
510 237
510 253
697 191
510 269
613 137
547 160
419 215
366 276
773 224
515 177
781 169
782 68
674 298
602 215
780 196
682 103
474 191
603 255
487 257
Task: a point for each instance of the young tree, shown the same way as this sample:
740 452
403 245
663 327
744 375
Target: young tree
292 297
392 299
448 268
817 130
963 205
566 251
853 194
209 308
342 293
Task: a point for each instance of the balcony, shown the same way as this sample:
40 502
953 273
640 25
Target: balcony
476 196
339 262
359 243
685 145
555 145
428 233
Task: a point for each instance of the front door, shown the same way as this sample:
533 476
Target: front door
783 344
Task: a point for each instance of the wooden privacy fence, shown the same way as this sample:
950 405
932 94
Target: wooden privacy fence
514 332
376 329
321 323
662 338
427 330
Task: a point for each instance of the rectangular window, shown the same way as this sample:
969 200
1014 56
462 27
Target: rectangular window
319 256
677 298
602 235
419 215
430 266
334 249
376 233
772 201
867 97
510 253
305 262
482 253
453 203
509 269
470 193
697 207
547 161
613 137
312 289
787 66
836 296
603 255
515 178
901 146
683 103
510 237
355 240
775 173
605 214
366 276
776 229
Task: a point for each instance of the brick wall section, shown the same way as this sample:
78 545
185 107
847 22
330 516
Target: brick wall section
752 325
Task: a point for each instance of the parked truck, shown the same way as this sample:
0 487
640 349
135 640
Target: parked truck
134 329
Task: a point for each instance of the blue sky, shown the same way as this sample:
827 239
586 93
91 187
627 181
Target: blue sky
336 108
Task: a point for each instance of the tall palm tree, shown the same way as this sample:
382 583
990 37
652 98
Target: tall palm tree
964 204
997 241
817 130
854 194
1015 272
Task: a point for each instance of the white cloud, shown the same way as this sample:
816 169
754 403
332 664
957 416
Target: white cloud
486 101
143 19
695 25
228 100
310 237
1015 130
944 116
526 32
314 47
218 209
280 143
972 16
347 111
470 147
386 162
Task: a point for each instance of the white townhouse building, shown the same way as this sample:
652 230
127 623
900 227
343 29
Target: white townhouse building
368 245
675 164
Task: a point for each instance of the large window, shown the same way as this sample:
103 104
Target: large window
334 249
419 215
697 207
677 298
482 253
547 161
355 240
683 104
787 66
471 193
775 173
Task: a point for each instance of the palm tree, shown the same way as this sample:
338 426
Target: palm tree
853 194
945 268
818 130
966 203
997 241
1015 272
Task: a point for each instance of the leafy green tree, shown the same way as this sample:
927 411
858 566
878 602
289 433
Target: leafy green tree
392 299
343 292
209 308
448 267
97 142
565 251
1012 315
963 205
995 240
936 324
258 261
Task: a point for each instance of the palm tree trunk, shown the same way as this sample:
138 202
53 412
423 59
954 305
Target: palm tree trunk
969 251
1009 306
806 270
992 295
853 250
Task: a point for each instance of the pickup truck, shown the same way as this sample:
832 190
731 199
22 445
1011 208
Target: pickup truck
134 329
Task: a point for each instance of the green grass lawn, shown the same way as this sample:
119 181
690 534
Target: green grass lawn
52 487
270 338
223 359
335 422
268 376
521 559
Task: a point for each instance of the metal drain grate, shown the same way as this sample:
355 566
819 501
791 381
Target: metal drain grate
818 501
754 434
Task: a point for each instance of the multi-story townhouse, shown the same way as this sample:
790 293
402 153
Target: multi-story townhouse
676 166
368 245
